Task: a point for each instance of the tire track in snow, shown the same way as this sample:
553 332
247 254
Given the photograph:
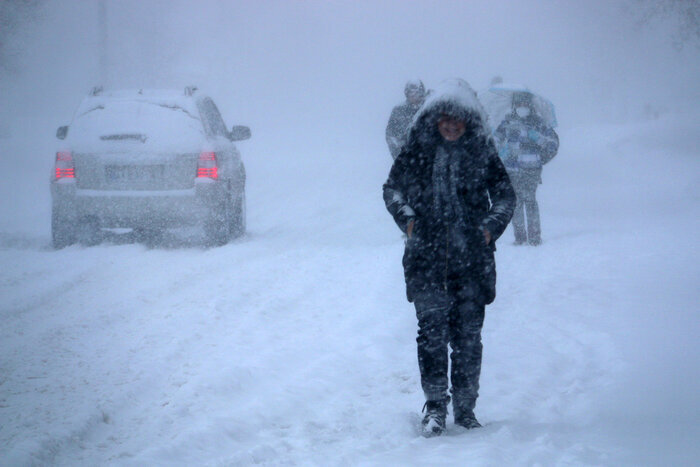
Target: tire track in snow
74 351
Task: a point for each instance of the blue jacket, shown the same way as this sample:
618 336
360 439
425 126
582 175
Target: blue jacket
525 144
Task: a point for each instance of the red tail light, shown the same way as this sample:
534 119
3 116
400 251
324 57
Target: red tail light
64 165
206 167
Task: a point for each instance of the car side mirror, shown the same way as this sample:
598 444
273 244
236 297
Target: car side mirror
239 133
62 132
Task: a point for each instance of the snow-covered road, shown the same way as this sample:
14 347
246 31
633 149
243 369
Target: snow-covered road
295 345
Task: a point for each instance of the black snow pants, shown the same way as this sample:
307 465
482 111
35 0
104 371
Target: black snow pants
444 319
525 184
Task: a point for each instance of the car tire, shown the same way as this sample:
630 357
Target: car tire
217 227
238 219
62 230
88 231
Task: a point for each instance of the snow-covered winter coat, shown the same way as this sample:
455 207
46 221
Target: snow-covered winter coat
398 126
452 192
526 144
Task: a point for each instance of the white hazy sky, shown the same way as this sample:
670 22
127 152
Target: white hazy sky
330 71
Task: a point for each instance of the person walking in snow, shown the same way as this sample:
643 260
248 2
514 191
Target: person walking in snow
526 143
449 192
401 116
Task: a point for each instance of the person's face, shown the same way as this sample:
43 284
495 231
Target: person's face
450 128
415 97
523 111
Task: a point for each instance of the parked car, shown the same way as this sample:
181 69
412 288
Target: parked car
147 160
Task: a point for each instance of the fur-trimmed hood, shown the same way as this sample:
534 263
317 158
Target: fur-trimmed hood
453 97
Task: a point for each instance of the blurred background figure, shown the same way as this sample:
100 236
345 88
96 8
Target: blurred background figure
526 142
402 115
492 101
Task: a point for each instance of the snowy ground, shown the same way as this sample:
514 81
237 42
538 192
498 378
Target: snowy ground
295 345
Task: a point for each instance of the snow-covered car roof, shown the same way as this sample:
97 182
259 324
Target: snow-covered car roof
155 96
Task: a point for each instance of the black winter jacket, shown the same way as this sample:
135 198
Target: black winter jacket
440 255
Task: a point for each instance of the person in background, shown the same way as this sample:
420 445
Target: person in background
402 115
450 194
526 143
490 101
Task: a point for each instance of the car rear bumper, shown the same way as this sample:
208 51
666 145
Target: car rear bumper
138 209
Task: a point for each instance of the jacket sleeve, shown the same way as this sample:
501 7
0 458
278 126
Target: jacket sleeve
499 135
549 144
544 141
395 194
393 136
500 139
501 194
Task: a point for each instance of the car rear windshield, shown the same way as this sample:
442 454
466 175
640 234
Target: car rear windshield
137 121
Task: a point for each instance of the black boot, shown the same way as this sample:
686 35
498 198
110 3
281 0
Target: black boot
435 417
466 418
